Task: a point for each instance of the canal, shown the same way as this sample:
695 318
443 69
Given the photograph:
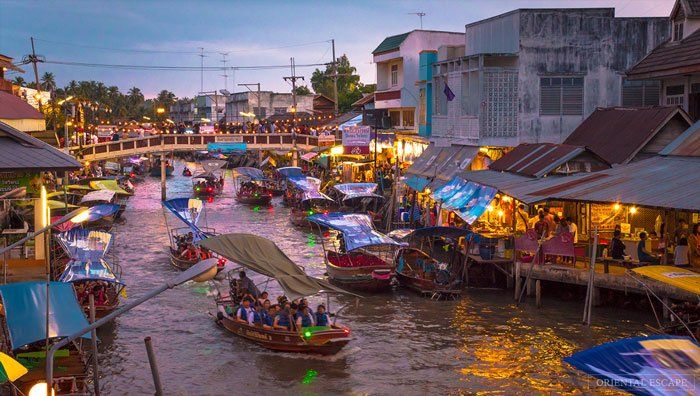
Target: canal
403 344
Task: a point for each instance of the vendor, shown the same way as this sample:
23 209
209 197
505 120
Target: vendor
642 253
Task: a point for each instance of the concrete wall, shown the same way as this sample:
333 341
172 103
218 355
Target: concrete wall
589 43
26 124
497 35
247 101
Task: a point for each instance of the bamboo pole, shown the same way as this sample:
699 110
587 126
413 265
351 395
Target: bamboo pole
93 336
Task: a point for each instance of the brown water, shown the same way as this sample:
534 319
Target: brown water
403 344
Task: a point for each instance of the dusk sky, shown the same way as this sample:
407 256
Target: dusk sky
253 33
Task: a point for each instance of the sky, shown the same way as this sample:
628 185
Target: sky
253 33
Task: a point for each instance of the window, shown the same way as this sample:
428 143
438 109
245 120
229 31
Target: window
439 95
641 93
280 110
471 98
677 31
407 117
259 112
561 96
675 95
422 119
395 117
394 75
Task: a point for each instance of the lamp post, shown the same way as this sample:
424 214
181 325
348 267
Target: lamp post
195 271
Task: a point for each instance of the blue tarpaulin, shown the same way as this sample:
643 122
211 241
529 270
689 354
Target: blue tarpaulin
188 210
311 187
291 172
654 365
228 147
355 190
82 244
250 173
24 304
99 211
98 269
417 183
357 229
468 200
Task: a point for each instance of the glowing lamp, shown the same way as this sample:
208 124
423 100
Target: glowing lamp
633 210
616 207
39 389
132 175
209 189
307 334
311 212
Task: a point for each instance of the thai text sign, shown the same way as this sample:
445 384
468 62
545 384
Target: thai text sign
356 139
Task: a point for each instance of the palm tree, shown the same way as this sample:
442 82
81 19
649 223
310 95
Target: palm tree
48 82
19 81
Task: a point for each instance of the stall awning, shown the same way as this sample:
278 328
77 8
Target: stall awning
309 156
438 165
426 164
24 304
468 200
109 185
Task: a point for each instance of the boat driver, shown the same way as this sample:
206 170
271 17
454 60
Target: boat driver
245 313
246 285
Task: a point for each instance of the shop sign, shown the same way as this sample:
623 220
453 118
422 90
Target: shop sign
206 129
230 139
227 147
326 140
10 181
356 139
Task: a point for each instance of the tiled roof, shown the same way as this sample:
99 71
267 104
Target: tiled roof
20 152
14 108
618 133
367 98
693 8
391 43
536 160
670 58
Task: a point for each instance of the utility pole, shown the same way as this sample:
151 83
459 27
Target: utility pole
34 60
248 86
335 79
225 76
201 72
293 78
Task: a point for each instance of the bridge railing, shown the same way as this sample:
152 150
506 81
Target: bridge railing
174 142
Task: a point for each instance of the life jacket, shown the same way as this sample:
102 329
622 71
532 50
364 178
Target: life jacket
321 319
265 318
306 320
282 320
244 313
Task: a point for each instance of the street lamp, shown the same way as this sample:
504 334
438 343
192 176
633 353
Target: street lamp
195 271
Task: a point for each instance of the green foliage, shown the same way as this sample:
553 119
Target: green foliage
303 90
350 89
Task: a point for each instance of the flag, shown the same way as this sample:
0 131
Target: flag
448 92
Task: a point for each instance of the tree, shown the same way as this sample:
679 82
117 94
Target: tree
350 89
303 90
48 82
165 99
19 80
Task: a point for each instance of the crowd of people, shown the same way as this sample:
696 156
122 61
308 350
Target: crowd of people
187 250
98 289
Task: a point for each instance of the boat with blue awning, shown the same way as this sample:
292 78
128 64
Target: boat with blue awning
360 258
184 241
251 188
305 198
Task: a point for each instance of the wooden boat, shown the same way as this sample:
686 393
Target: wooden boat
263 256
251 187
179 262
359 271
356 263
327 340
207 185
257 196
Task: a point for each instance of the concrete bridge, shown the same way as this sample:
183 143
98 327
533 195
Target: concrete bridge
168 143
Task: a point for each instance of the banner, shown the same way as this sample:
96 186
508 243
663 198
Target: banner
227 147
206 129
356 139
326 140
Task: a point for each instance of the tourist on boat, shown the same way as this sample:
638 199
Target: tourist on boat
282 321
304 318
321 317
263 297
99 292
643 255
190 253
266 319
247 285
617 247
245 313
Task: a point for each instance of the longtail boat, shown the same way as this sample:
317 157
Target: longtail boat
210 182
24 335
265 257
417 270
361 258
307 199
184 247
251 189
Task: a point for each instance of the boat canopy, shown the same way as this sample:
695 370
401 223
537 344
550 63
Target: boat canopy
99 211
446 232
356 190
98 195
188 210
250 172
654 365
51 203
206 175
311 187
109 185
357 229
291 172
468 200
674 276
94 270
24 304
79 187
82 244
265 257
212 165
400 233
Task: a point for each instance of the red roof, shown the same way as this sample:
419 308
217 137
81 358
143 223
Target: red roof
618 133
536 160
14 108
669 59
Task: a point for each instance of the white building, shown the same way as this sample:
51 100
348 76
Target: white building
269 103
397 60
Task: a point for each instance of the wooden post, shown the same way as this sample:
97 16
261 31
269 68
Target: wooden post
93 336
666 311
163 193
517 280
154 366
530 287
538 293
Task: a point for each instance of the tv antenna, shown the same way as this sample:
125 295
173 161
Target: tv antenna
420 14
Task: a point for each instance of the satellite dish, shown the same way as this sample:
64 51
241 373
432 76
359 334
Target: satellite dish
225 92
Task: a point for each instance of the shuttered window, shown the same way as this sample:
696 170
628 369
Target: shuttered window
561 96
641 93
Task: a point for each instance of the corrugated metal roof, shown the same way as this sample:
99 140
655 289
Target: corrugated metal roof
664 182
536 160
391 43
22 152
618 133
687 144
459 161
670 58
14 108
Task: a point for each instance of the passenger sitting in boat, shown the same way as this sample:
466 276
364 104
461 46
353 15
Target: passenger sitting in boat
305 302
247 285
245 313
282 321
266 319
304 317
263 298
99 292
190 253
321 316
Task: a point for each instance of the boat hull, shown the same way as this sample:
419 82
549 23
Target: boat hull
250 200
180 263
369 279
328 342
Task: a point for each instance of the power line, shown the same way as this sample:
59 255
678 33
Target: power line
177 68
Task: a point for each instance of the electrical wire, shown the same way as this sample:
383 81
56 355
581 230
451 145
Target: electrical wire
176 68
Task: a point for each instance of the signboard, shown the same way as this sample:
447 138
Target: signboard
326 140
356 139
206 128
605 217
230 139
227 147
10 181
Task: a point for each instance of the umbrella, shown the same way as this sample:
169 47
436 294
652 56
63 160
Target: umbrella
10 369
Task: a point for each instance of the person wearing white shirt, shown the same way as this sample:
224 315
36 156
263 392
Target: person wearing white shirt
573 229
245 313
